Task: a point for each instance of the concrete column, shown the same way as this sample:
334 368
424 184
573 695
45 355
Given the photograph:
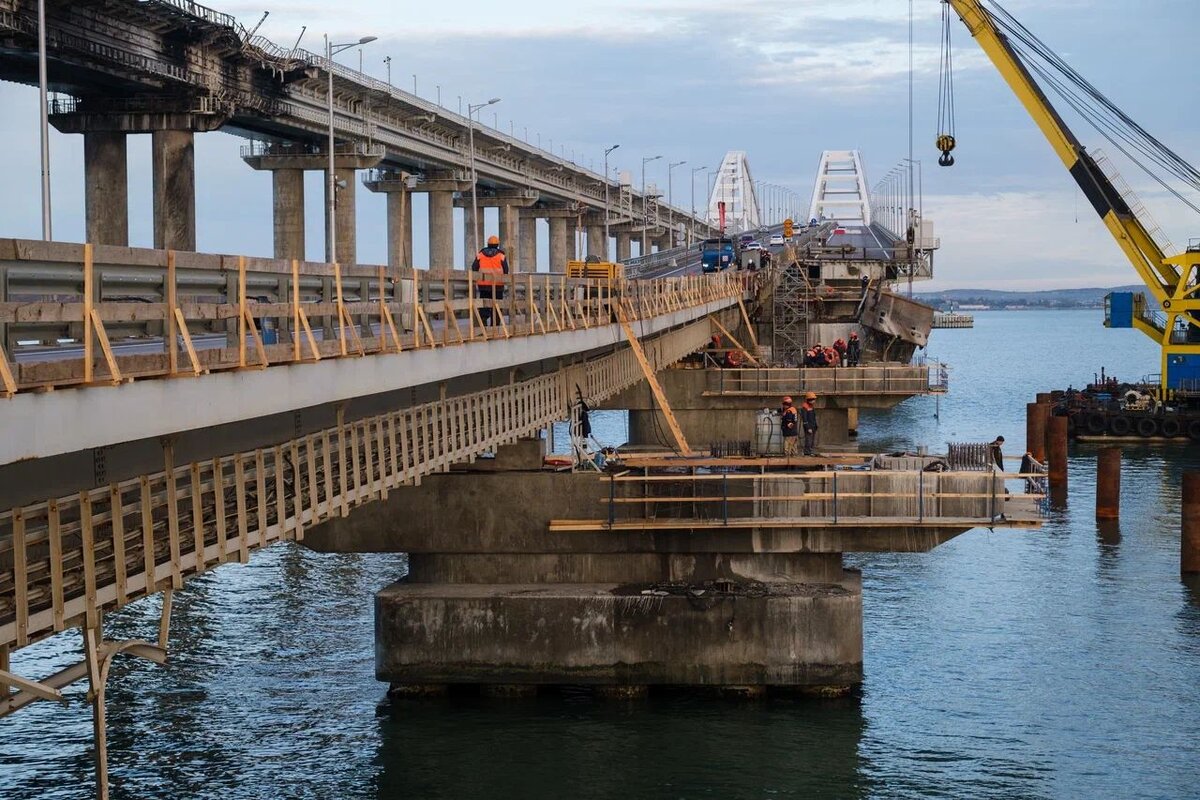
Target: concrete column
560 233
595 242
510 235
399 229
174 179
528 237
289 212
343 216
624 246
441 230
106 188
470 245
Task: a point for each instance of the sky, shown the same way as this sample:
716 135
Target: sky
691 79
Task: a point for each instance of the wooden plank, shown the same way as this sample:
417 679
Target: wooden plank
297 497
88 545
172 334
148 561
341 307
314 491
308 335
281 491
296 310
187 341
172 515
736 343
242 312
327 463
113 370
20 577
659 395
260 491
89 299
239 491
56 563
7 383
354 482
260 351
219 505
381 486
197 518
749 325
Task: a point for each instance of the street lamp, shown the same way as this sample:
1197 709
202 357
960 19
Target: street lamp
471 109
43 89
645 160
331 180
670 202
606 152
692 227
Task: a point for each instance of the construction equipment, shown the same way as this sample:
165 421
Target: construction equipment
596 270
1171 314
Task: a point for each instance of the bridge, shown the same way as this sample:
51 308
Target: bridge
168 411
174 68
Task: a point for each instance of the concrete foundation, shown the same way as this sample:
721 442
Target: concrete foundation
441 230
596 244
611 634
288 207
174 187
527 261
624 246
106 187
559 242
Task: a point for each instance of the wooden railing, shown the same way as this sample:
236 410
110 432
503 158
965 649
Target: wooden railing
97 311
67 559
876 379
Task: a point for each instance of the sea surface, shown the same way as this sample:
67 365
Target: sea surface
1058 663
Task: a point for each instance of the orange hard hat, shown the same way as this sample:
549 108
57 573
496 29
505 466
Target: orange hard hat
493 241
810 396
787 400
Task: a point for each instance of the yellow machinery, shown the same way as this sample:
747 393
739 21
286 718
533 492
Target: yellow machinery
596 270
1171 315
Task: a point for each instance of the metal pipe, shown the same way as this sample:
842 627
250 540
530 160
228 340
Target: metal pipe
1189 541
1108 483
43 92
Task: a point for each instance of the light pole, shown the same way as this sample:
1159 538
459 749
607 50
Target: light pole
645 160
388 61
43 90
471 109
606 152
331 179
670 201
692 226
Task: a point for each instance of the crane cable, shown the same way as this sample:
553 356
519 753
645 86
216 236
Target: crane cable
1121 131
945 138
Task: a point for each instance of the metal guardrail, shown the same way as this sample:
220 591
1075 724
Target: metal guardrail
818 498
890 379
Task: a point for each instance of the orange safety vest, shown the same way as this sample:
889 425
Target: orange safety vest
491 264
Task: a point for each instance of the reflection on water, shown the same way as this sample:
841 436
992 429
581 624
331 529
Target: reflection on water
1006 664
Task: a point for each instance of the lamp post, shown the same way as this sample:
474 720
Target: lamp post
606 152
331 179
692 227
645 160
670 201
388 61
471 109
43 89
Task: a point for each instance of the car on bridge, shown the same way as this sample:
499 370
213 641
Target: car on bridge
776 240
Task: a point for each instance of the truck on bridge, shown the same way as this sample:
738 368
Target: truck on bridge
717 254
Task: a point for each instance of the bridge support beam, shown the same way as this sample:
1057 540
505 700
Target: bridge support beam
510 236
528 241
106 187
288 212
441 230
174 180
624 246
471 232
596 243
344 216
560 243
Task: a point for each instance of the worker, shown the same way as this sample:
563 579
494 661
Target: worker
832 359
808 421
840 347
788 419
995 450
853 351
492 265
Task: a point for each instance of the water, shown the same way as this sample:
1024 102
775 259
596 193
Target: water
1058 663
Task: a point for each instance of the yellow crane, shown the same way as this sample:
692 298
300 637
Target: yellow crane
1171 315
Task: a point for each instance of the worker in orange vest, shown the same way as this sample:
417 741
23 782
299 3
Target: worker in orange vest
492 265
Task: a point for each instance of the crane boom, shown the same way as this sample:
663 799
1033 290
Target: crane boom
1171 280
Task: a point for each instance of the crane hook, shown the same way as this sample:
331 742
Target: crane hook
946 143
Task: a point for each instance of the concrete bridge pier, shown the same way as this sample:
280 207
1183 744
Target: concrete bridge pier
561 249
106 187
288 212
471 231
442 186
398 186
527 251
173 157
624 246
597 244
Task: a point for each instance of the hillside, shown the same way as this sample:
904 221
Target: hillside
1052 298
